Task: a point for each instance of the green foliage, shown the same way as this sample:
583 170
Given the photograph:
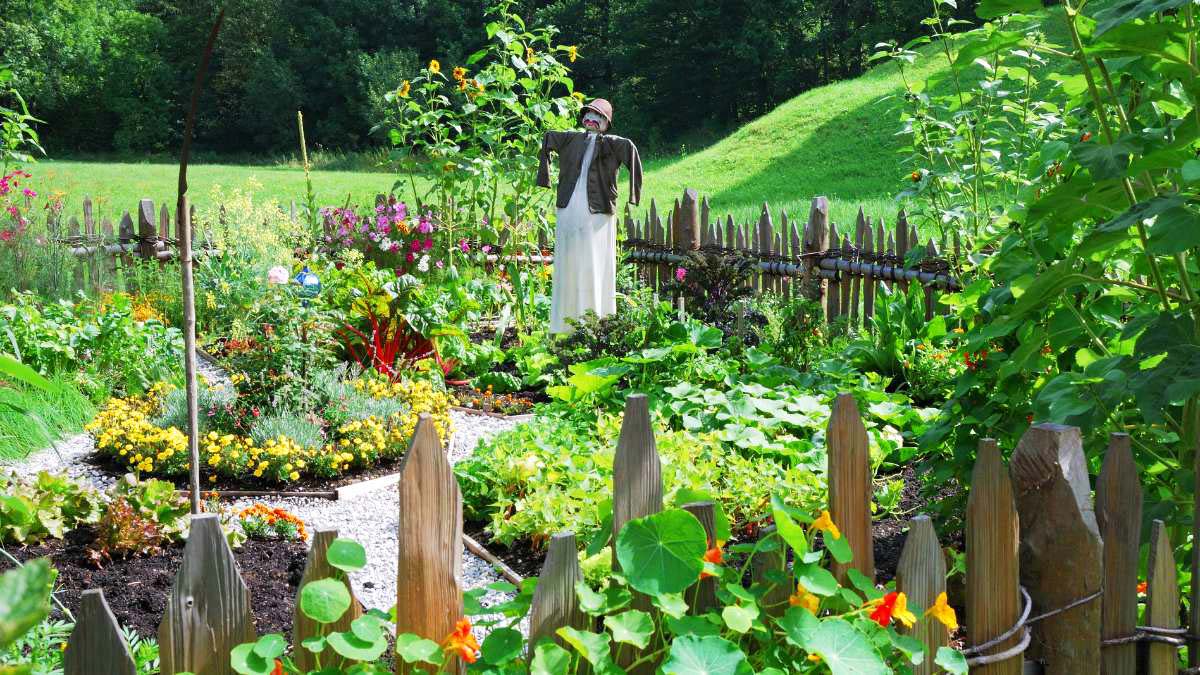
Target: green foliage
140 517
46 505
24 598
303 429
32 418
795 330
18 138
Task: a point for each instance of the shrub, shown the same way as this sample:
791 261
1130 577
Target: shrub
301 429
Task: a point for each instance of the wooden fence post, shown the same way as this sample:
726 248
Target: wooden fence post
848 453
993 598
96 644
1119 517
687 222
833 288
921 575
869 280
703 596
1162 601
815 240
317 567
1061 550
902 243
554 601
208 610
430 534
856 281
146 229
769 564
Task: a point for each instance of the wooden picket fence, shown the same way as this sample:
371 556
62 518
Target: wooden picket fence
1051 579
841 270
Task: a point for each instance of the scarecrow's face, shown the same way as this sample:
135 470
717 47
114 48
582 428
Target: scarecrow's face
594 122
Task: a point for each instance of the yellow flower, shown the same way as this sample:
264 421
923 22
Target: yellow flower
825 524
295 475
459 73
802 598
577 95
435 67
212 478
462 85
405 87
943 612
572 53
815 658
902 612
529 54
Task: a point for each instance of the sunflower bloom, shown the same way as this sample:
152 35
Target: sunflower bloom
435 67
943 612
893 606
462 642
459 73
572 53
825 524
802 598
405 87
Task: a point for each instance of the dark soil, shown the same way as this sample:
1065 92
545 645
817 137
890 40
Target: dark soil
137 588
890 533
522 557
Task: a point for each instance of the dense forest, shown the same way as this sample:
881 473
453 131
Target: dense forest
114 75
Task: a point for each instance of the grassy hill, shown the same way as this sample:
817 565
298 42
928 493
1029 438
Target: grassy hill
839 140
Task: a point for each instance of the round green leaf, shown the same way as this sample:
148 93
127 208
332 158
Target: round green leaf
502 645
662 553
633 627
739 618
594 647
550 659
355 648
324 600
315 644
243 660
346 555
367 627
270 646
846 650
705 656
413 648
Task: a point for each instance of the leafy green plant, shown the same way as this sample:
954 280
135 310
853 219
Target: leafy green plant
140 517
24 602
303 429
47 505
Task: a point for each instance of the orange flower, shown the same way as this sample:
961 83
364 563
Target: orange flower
714 556
825 524
278 668
405 87
892 606
802 598
915 176
462 642
942 611
1141 588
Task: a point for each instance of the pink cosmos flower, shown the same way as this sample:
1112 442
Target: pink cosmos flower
463 245
680 273
439 264
487 248
29 193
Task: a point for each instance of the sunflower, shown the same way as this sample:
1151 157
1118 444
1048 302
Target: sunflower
435 67
459 73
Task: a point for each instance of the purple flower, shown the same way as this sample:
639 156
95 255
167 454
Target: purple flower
410 257
487 248
463 245
439 264
428 243
680 273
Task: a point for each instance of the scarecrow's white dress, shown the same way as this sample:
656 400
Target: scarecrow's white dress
585 256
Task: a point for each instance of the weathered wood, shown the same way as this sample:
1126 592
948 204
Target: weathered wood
96 644
849 474
902 243
1162 600
89 219
705 215
688 225
869 281
146 229
856 281
833 294
795 249
430 531
191 390
164 222
317 567
1061 550
109 235
768 564
921 575
703 596
847 281
554 601
74 234
993 567
730 235
1119 517
766 239
208 609
815 239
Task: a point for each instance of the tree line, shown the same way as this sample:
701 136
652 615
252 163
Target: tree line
114 75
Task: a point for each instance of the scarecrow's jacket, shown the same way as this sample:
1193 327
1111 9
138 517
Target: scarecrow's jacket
611 152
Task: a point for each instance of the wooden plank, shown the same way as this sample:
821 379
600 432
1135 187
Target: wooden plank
869 281
740 238
1119 517
780 249
993 567
816 239
766 241
430 534
855 280
110 260
703 596
554 601
921 576
1061 550
768 564
89 219
146 229
705 215
849 471
96 258
902 243
208 609
317 567
795 248
1162 601
96 644
688 225
73 233
833 293
730 237
847 279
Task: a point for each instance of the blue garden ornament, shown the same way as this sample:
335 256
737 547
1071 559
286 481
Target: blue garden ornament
310 285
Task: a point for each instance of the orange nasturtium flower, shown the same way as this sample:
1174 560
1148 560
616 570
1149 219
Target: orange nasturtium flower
713 555
942 611
892 606
278 668
435 67
825 524
462 642
802 598
1141 587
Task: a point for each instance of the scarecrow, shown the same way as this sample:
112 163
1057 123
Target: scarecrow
585 236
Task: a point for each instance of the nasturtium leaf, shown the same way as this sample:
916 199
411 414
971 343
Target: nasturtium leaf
799 626
816 579
863 583
24 598
632 627
662 553
346 555
351 646
839 547
315 644
789 531
414 648
911 647
324 600
593 647
691 655
270 646
684 496
502 645
951 660
845 650
692 625
1191 171
671 604
550 659
368 627
739 618
245 661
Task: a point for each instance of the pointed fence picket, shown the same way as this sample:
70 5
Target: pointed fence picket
1049 575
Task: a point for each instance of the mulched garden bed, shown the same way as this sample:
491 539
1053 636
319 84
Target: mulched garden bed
137 588
521 556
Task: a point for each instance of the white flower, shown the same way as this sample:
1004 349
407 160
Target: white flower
423 265
277 275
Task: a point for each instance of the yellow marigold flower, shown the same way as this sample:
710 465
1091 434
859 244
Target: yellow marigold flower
212 478
462 85
294 475
435 67
942 611
577 95
815 658
825 524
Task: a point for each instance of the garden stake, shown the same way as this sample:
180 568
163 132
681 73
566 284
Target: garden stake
185 264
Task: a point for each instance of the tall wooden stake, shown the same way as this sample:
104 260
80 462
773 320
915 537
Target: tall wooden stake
185 264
